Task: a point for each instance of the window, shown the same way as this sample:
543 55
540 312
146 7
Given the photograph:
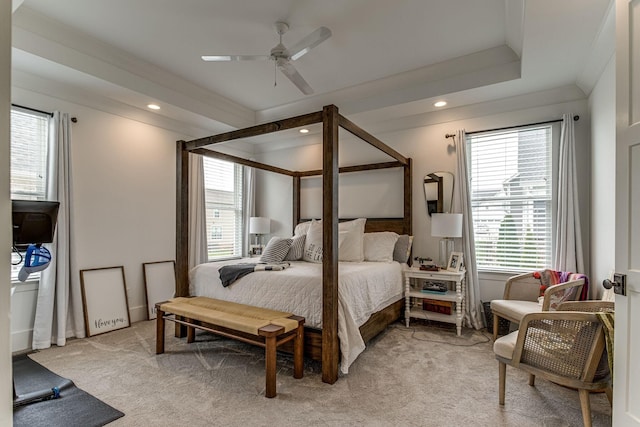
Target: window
511 198
29 143
29 147
223 199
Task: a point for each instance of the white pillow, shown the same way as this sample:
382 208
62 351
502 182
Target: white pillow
379 246
301 228
313 242
352 248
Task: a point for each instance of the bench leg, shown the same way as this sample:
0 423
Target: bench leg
270 366
298 356
180 330
159 331
191 331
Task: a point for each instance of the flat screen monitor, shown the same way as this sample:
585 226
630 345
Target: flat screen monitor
34 221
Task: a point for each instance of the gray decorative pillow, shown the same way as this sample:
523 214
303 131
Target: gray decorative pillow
402 250
297 248
276 249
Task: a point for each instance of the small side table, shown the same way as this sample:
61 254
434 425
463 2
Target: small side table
456 296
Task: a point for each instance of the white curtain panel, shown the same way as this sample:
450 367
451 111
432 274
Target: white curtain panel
568 250
462 204
59 312
197 212
248 205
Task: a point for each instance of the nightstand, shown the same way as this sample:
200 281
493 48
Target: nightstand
456 281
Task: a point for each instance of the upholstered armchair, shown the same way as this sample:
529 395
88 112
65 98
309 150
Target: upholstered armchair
564 347
521 296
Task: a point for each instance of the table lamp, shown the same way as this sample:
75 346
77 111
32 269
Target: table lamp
447 226
259 225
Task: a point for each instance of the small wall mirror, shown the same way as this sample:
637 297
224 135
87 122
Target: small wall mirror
438 192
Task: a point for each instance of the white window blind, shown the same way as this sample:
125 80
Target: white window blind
223 198
29 148
511 195
29 141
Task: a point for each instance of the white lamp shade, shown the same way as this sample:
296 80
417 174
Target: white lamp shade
446 225
259 225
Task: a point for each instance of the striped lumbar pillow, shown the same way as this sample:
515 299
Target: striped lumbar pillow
297 248
276 249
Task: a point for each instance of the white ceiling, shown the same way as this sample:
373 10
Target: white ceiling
384 59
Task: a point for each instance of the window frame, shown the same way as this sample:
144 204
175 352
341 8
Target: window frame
217 213
555 151
17 195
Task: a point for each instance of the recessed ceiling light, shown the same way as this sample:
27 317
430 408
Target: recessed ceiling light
304 130
154 106
440 104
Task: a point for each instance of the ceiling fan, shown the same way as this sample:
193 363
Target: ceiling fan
283 56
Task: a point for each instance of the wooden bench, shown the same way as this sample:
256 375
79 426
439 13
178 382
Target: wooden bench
260 326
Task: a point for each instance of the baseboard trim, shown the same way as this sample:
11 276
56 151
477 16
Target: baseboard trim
21 340
138 313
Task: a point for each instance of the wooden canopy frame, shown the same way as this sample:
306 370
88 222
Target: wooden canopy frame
331 120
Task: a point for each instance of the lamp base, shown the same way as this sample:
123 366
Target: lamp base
446 247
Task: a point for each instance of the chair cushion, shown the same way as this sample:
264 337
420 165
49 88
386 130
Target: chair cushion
505 345
514 309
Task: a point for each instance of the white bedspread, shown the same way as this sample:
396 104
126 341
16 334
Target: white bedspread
363 289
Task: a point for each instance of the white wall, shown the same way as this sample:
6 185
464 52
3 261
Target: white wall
6 392
123 201
431 152
603 146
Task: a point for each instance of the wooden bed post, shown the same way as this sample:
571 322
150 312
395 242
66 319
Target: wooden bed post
330 344
182 226
296 201
408 202
182 220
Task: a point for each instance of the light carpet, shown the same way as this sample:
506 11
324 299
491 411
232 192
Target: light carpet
419 376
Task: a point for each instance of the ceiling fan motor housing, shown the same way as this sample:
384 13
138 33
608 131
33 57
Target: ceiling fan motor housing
279 51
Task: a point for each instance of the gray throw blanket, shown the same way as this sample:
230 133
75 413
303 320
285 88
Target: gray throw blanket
231 273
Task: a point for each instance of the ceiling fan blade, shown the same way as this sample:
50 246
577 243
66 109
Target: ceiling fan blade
290 71
309 42
235 57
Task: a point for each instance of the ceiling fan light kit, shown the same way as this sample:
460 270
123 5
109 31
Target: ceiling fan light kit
283 56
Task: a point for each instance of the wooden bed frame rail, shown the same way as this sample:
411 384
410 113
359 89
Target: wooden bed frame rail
331 120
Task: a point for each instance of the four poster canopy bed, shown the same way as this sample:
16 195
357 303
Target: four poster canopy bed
321 344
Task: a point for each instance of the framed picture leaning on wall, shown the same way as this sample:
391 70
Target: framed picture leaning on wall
159 283
104 299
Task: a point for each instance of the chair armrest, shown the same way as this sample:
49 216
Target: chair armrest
591 306
522 287
552 291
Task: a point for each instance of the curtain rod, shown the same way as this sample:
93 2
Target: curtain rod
575 119
32 109
73 119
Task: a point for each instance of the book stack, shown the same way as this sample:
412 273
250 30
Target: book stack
430 287
437 306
